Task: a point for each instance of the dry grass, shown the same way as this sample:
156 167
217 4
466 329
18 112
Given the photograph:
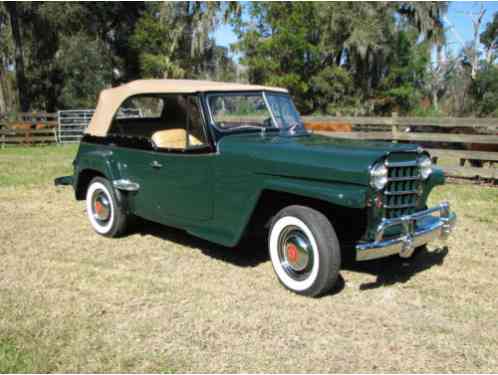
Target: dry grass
160 300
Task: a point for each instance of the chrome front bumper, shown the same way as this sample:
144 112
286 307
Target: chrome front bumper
417 230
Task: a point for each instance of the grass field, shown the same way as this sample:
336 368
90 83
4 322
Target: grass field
160 300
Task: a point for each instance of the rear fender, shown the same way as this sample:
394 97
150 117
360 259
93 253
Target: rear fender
99 162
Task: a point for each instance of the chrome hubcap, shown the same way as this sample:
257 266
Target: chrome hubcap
101 207
295 252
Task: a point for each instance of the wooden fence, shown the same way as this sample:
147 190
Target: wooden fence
28 129
472 139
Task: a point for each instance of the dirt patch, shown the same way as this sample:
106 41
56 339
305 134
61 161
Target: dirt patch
160 300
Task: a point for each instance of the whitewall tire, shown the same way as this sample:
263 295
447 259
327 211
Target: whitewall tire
104 211
304 250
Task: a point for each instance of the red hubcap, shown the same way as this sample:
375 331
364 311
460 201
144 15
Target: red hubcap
292 253
98 207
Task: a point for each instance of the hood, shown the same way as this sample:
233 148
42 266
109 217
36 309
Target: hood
316 157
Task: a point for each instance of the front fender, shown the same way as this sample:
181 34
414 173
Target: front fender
341 194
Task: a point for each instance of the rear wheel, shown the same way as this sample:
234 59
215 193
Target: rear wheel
304 250
104 209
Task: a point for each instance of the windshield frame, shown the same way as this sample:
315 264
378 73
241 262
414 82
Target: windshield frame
242 129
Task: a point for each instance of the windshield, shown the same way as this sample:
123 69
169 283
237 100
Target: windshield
285 113
231 111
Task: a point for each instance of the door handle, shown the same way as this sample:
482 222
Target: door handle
156 164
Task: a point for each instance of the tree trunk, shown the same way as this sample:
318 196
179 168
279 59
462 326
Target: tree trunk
11 7
3 103
435 103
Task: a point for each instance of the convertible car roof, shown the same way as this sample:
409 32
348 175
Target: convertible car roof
111 99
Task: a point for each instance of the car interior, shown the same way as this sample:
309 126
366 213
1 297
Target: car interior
167 121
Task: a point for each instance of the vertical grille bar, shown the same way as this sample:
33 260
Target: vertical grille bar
402 190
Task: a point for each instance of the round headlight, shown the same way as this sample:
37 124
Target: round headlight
425 165
378 176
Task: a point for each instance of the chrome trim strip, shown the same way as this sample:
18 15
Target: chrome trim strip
399 206
411 163
126 185
409 178
401 192
417 230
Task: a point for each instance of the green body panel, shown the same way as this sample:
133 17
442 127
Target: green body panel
213 195
95 157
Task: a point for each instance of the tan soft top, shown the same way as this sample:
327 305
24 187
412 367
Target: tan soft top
111 99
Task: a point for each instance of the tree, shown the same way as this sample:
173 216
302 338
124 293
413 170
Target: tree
86 70
404 83
173 39
11 7
485 91
301 45
489 38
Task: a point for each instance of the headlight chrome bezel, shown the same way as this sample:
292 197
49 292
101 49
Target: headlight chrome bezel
425 165
379 175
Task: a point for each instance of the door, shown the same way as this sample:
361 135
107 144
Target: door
184 162
175 174
183 186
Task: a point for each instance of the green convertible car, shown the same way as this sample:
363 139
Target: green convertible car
225 160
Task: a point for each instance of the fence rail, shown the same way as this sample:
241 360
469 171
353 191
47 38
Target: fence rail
27 136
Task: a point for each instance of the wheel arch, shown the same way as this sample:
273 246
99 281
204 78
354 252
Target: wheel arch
83 181
271 201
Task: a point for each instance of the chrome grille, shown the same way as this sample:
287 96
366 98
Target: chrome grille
402 191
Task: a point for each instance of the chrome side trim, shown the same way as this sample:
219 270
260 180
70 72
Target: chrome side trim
417 230
126 185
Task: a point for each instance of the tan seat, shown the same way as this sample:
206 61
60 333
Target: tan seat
174 138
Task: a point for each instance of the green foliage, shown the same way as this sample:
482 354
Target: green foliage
173 40
155 41
403 84
489 37
485 91
350 57
332 89
86 70
333 55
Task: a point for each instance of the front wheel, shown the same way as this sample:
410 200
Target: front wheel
304 250
104 209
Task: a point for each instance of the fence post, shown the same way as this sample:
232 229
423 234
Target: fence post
58 129
394 126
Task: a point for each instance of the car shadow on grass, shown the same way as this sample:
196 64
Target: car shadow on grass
250 252
393 270
253 251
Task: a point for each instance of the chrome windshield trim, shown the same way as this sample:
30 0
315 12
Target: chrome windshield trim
267 103
239 93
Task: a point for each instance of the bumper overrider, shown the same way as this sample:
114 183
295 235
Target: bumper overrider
417 230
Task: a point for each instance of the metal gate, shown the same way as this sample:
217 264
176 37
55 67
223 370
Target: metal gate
72 124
